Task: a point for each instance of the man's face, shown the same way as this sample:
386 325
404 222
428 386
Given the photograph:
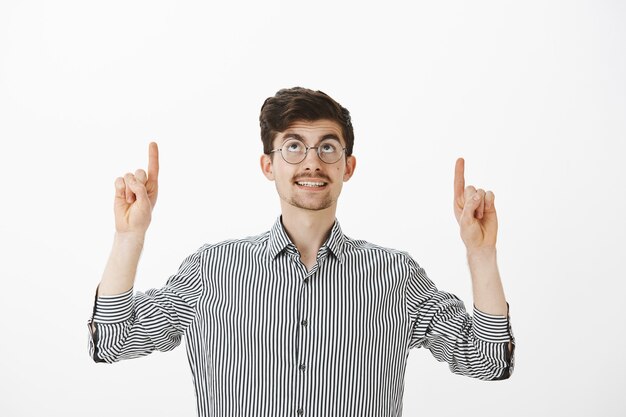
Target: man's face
312 184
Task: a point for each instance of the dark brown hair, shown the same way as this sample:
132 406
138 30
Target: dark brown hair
290 105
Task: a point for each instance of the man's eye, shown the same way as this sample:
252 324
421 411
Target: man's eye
294 146
328 147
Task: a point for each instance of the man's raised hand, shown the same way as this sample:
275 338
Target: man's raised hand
475 212
136 195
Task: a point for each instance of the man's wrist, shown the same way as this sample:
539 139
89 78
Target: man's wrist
481 254
129 239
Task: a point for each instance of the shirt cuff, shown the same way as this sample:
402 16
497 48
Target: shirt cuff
492 328
110 309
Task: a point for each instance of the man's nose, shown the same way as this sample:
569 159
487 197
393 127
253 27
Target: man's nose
312 160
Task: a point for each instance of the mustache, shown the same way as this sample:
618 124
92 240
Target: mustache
305 175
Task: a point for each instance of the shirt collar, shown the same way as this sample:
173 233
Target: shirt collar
279 241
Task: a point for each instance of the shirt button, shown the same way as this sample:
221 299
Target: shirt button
306 280
300 411
302 367
304 323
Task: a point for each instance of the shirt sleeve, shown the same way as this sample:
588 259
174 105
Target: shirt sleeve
475 346
132 325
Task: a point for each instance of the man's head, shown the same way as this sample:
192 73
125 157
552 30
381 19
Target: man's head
313 136
290 105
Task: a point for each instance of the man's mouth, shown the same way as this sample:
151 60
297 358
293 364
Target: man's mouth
314 184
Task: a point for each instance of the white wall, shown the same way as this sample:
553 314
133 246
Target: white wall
532 94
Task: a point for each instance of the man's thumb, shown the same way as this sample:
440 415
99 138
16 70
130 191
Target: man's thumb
471 204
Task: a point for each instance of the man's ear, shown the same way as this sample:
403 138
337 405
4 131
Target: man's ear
350 167
267 167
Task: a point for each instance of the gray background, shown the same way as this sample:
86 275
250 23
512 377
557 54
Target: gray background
532 94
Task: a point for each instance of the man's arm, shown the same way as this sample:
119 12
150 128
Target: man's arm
124 324
481 345
135 198
476 214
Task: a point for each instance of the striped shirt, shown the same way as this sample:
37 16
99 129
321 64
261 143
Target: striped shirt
266 337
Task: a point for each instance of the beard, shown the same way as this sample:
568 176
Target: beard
313 204
313 201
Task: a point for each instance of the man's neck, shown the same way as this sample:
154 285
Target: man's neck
308 230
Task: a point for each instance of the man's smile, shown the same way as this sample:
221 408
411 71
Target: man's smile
313 184
315 181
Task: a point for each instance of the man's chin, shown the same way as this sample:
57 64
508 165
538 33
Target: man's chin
312 205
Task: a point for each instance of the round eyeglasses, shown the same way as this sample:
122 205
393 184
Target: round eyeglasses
294 151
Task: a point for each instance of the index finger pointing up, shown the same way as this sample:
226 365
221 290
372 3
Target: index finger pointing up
153 162
459 179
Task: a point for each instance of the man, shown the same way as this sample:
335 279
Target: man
302 320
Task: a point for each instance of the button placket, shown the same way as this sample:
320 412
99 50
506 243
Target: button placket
303 350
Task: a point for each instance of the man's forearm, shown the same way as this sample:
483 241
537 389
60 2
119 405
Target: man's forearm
120 270
486 284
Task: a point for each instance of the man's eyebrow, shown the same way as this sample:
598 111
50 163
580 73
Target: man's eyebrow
290 135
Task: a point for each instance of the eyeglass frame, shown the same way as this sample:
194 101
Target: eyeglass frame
306 150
